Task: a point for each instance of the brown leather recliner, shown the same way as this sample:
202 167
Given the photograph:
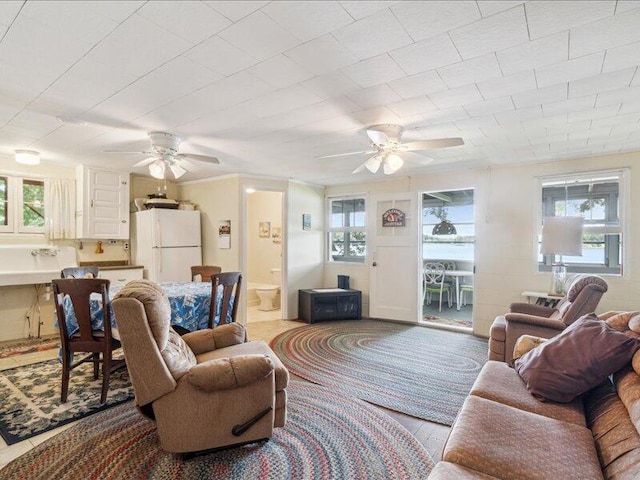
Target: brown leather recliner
208 389
583 297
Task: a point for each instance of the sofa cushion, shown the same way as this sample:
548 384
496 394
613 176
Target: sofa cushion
512 444
450 471
499 382
617 440
576 360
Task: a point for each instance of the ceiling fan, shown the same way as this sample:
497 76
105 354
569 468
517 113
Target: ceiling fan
389 150
164 153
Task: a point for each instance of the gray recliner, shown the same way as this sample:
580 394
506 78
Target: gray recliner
583 297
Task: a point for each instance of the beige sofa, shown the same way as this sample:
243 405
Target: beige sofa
504 432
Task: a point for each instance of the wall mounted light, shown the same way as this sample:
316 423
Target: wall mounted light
27 157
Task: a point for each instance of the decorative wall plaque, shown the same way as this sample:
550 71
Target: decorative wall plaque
393 218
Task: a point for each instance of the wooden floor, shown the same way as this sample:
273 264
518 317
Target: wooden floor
429 434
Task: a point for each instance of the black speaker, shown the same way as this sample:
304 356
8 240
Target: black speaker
343 282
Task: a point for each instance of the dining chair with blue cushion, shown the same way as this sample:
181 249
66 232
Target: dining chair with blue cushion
433 282
72 299
225 295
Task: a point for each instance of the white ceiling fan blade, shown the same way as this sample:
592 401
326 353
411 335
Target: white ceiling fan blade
200 158
361 167
366 152
378 137
418 158
431 144
144 162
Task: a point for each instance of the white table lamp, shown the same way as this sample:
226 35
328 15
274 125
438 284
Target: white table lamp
561 236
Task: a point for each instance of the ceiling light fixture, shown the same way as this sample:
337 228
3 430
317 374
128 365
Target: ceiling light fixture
250 190
27 157
373 164
177 170
157 168
392 163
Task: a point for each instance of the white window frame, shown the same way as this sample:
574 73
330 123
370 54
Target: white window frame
623 176
357 260
15 201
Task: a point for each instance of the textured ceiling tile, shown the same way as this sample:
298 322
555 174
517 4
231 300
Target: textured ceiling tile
259 36
412 106
308 20
626 5
373 71
487 107
331 85
220 56
497 32
363 8
322 55
622 57
471 71
547 17
420 84
570 70
601 83
556 93
280 71
546 51
235 10
621 95
193 21
455 97
519 115
594 114
449 15
484 121
374 96
566 106
498 87
607 33
491 7
371 36
445 115
426 55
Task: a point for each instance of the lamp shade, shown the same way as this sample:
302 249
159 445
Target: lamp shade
562 235
156 169
27 157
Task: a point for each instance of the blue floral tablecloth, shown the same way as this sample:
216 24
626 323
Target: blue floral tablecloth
190 303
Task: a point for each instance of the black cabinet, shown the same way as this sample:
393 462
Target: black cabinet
329 304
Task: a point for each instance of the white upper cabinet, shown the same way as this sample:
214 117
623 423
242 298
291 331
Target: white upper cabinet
103 203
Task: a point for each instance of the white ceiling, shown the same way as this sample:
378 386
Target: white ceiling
270 86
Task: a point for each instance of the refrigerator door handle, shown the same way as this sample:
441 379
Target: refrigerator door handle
159 231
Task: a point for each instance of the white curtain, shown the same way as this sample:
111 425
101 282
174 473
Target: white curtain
60 211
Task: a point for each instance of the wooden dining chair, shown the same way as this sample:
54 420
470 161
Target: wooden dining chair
72 298
88 271
203 273
225 297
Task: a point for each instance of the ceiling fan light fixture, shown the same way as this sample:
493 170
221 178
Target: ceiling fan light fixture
27 157
156 169
373 164
177 170
392 164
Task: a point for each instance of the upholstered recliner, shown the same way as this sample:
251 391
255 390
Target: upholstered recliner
206 390
583 297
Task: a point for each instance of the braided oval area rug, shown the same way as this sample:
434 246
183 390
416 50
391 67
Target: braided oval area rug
326 436
419 371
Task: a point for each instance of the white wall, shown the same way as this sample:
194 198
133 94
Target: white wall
506 210
305 248
262 253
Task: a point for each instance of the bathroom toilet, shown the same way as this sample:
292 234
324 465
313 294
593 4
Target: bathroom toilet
269 294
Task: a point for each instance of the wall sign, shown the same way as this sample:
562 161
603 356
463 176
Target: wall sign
393 218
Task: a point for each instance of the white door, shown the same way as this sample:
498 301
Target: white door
109 204
393 261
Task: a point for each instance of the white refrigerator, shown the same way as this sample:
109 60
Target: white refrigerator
167 243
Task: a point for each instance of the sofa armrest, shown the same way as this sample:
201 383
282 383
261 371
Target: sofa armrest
202 341
535 321
529 309
229 373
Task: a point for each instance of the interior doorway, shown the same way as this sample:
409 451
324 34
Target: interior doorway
448 258
264 223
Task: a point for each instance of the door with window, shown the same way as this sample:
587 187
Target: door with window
393 260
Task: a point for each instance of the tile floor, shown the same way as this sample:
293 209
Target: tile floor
431 435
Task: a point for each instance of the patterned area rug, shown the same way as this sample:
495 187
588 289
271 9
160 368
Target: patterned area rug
28 346
30 398
419 371
327 436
